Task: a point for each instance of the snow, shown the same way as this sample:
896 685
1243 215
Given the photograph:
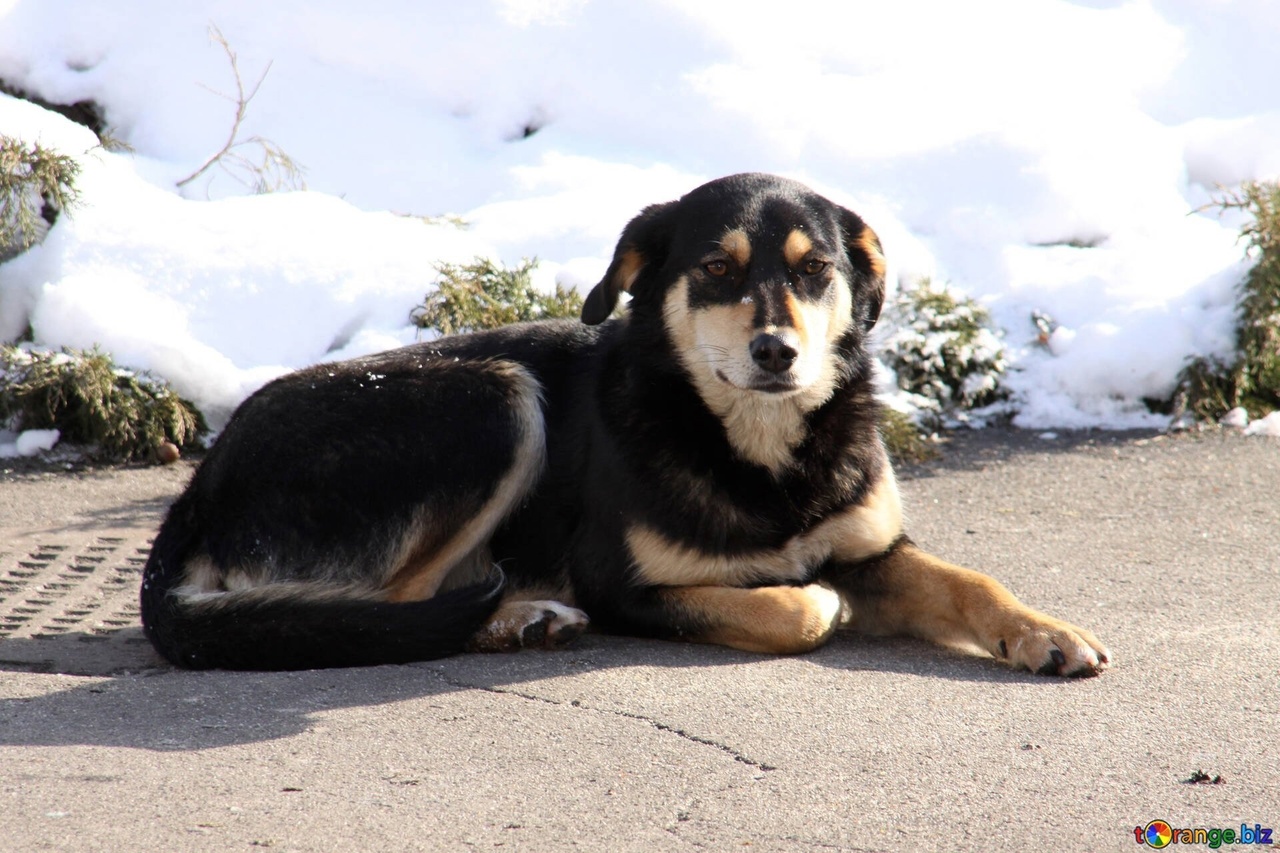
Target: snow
1040 155
1269 426
1237 418
27 443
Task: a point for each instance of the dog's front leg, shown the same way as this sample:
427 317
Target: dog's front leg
770 619
907 591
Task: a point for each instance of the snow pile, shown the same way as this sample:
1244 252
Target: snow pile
1050 164
221 296
1269 426
29 442
1238 418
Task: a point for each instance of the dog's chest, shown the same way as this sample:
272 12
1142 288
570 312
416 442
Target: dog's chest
710 554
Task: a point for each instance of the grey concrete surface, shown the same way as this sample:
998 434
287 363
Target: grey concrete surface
1167 548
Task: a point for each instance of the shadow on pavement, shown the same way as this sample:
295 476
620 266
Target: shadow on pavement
134 699
138 701
975 450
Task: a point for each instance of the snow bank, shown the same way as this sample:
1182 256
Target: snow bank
27 443
1050 164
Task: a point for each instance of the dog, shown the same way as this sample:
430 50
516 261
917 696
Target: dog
705 465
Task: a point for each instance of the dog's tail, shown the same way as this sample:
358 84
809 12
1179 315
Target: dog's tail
298 626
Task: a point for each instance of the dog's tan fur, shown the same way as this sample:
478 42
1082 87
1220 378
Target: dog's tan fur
763 428
918 594
778 620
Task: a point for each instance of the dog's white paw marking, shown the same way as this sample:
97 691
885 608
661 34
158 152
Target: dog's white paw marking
530 624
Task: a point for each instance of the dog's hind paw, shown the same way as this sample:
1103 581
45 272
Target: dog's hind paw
529 624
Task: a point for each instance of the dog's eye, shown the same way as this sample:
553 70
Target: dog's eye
813 266
716 268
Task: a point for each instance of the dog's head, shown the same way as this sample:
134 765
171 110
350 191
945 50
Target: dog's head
763 286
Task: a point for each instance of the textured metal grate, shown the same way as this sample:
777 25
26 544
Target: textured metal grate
70 604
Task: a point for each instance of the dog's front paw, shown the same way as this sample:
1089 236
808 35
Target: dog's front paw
1048 646
529 624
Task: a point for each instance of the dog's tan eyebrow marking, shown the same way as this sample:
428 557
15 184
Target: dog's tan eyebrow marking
737 245
797 245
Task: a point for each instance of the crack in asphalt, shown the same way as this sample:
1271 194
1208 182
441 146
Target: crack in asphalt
663 727
657 724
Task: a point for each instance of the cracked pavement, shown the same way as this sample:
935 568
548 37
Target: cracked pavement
1168 548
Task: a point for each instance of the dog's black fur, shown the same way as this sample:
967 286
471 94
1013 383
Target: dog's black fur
707 466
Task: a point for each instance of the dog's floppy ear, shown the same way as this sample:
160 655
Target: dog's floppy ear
862 247
643 244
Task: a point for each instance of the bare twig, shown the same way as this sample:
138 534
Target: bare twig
277 169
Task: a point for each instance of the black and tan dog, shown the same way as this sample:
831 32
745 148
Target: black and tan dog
707 467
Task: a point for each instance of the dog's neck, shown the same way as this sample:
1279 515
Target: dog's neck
764 429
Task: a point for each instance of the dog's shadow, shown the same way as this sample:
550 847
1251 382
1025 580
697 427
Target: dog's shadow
126 696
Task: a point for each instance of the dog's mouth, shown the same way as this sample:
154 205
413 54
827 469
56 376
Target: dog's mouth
766 385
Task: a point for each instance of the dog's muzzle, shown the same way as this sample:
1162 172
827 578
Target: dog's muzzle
774 352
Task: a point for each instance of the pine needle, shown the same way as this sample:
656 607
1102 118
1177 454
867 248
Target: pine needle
485 295
1251 377
31 178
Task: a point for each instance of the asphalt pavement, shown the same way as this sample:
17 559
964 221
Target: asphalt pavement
1168 548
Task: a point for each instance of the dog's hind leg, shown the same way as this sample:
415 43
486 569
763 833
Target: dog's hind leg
356 532
426 562
530 619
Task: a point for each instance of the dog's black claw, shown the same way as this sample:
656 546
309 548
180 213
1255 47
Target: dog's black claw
1053 666
1057 660
1004 649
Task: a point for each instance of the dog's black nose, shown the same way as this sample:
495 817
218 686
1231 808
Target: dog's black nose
773 353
